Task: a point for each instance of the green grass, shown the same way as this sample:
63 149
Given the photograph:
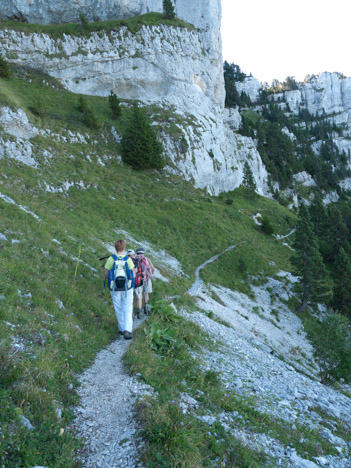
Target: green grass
59 343
133 25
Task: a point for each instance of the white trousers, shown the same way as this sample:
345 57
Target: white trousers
124 309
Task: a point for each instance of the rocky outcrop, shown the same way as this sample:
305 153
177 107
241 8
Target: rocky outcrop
159 65
327 93
216 156
176 68
251 86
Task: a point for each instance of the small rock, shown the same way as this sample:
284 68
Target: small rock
26 422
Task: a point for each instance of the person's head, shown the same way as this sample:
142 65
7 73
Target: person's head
120 245
131 253
140 251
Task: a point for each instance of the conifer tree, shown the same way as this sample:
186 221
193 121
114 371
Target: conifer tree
337 234
168 9
249 182
342 279
314 283
319 216
114 104
140 147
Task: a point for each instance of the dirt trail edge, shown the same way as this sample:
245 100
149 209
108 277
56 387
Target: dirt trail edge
104 417
198 284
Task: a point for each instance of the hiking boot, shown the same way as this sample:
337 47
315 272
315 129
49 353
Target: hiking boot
127 335
120 332
138 313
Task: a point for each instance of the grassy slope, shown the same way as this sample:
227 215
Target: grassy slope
60 342
76 29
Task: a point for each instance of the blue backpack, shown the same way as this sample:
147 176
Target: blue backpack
120 277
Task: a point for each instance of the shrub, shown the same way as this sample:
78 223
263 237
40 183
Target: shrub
38 108
140 147
183 145
89 118
331 339
83 21
4 68
114 104
267 226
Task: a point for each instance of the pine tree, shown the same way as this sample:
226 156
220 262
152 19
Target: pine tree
140 147
168 10
114 104
314 283
319 217
342 279
336 234
249 182
331 340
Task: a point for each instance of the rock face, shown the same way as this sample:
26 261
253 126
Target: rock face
157 64
174 68
327 95
68 11
251 86
206 16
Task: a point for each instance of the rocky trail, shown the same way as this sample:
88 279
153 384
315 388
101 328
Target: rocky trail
108 395
105 415
265 357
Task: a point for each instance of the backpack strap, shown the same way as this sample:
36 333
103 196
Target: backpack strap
129 274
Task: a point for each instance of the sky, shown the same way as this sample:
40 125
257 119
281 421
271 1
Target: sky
273 39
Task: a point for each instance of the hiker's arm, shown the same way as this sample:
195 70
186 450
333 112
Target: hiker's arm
106 273
152 267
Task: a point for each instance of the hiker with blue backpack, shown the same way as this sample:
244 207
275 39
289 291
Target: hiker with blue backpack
119 272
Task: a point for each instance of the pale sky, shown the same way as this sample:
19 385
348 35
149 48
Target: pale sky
280 38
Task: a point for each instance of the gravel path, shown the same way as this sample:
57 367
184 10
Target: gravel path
198 284
104 417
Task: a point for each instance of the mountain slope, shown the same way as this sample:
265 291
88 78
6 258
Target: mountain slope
65 197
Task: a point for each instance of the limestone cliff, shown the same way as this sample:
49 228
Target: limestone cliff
327 96
176 68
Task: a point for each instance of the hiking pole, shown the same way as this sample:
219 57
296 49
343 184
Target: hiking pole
104 258
146 310
103 294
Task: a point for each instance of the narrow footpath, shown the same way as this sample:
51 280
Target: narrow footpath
108 395
105 415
